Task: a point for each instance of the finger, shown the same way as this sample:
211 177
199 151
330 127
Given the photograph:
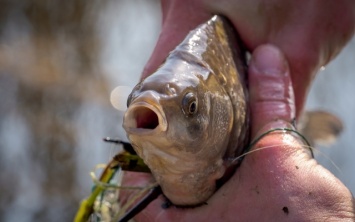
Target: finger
270 86
179 17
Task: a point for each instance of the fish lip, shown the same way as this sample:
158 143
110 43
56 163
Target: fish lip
162 126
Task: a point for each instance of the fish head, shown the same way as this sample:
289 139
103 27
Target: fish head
179 122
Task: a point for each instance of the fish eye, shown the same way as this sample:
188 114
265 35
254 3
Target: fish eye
189 104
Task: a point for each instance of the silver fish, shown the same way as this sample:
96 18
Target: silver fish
191 115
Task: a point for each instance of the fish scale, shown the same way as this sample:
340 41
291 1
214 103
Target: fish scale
203 123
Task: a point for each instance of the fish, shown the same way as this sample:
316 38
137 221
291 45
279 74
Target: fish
189 117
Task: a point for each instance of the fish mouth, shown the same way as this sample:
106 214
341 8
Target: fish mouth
144 118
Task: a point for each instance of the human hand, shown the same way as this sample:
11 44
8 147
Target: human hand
309 33
278 180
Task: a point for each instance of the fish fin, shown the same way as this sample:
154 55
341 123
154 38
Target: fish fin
320 127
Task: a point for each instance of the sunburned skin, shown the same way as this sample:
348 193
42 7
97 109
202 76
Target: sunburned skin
191 115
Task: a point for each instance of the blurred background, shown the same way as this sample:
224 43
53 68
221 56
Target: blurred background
59 61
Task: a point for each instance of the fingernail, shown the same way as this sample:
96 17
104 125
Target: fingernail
269 60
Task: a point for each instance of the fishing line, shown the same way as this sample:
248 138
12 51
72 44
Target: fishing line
283 130
327 158
255 141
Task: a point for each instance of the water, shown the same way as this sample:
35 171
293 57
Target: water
54 108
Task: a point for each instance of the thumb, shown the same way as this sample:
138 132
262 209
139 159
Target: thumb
270 87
